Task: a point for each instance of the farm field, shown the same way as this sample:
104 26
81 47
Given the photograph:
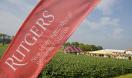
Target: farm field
2 49
67 65
73 66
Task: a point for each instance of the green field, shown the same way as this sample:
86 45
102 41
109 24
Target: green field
73 66
125 76
68 65
2 49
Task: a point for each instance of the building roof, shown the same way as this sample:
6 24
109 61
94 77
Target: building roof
114 50
101 52
130 49
108 51
72 49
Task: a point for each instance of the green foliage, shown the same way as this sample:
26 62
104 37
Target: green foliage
2 49
66 44
76 44
72 66
99 47
5 39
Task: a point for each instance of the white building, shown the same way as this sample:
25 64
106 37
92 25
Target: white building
112 53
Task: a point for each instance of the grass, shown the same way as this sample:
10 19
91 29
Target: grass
2 49
125 76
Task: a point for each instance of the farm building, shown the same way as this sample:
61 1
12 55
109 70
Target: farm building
72 49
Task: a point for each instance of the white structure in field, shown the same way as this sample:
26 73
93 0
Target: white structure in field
129 51
112 53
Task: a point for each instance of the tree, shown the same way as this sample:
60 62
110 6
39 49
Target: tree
93 48
67 44
82 46
87 47
100 47
5 39
2 38
76 44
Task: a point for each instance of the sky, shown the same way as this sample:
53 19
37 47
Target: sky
108 25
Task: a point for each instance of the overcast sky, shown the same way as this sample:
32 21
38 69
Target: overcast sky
109 25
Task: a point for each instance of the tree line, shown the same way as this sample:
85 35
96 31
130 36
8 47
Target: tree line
83 47
5 39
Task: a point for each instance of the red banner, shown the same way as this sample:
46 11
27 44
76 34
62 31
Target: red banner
45 30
